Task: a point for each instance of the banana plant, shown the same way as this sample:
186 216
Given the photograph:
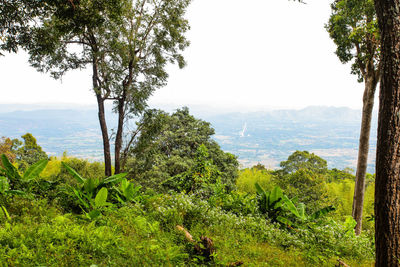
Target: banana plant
92 193
127 191
270 202
9 174
280 208
12 173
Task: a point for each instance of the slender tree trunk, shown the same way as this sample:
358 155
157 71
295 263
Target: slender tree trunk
103 123
118 137
362 162
387 185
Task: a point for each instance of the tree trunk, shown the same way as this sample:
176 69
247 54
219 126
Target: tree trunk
102 120
118 137
104 133
387 185
362 162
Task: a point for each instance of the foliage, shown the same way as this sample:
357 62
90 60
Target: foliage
92 193
127 192
16 22
143 232
6 148
167 145
354 29
304 160
309 187
27 152
10 177
198 179
248 177
336 175
279 208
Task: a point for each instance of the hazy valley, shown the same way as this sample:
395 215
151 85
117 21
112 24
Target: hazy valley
266 137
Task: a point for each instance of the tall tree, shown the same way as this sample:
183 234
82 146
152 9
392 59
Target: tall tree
387 183
165 145
353 27
128 45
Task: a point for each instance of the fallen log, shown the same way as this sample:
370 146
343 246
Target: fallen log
342 263
204 247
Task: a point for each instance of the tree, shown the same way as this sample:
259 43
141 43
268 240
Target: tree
27 152
167 145
387 183
353 28
6 148
304 160
16 19
128 45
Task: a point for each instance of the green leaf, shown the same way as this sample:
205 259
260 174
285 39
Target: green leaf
301 208
90 185
290 206
115 178
2 170
322 212
276 195
33 171
259 189
4 185
74 173
10 170
94 214
78 194
101 198
5 212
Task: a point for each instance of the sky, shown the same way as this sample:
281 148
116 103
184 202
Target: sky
244 55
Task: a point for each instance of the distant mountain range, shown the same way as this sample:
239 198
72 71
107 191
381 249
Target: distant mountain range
266 137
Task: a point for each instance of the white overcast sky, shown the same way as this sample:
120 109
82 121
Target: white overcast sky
253 54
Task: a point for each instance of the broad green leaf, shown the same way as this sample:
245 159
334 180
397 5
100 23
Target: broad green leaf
290 206
93 214
301 208
73 173
33 171
101 198
10 170
349 224
131 191
276 194
114 179
90 185
78 194
4 185
5 212
259 189
322 212
124 184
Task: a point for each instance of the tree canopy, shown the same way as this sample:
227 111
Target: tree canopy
304 160
354 29
167 145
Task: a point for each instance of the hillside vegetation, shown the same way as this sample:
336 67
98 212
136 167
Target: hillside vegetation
64 212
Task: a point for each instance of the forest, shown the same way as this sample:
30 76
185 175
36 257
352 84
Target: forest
166 193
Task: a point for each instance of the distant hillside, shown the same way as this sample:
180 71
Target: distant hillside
256 137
